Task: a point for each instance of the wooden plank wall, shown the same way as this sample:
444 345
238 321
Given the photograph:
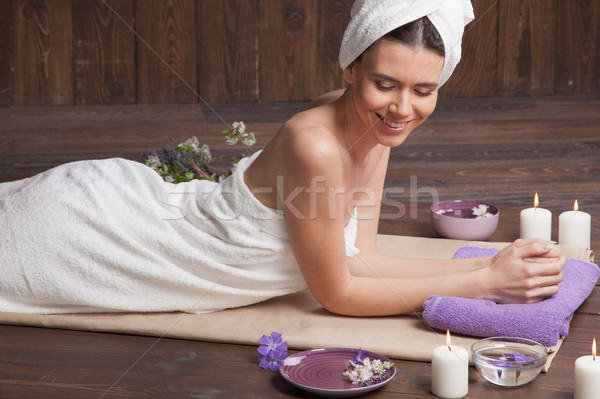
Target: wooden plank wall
89 52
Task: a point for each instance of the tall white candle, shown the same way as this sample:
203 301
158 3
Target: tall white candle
536 222
587 376
574 227
449 370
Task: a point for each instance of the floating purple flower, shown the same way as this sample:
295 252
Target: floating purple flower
518 358
512 361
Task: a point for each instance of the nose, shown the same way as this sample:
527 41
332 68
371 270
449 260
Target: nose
402 105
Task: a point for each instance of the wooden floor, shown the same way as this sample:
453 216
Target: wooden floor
499 150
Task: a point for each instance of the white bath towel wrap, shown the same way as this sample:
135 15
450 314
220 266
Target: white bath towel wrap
112 236
372 19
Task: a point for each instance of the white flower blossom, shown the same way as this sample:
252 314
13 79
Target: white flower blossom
238 128
205 155
154 162
481 211
366 372
249 139
231 140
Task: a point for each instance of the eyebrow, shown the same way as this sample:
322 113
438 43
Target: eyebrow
391 79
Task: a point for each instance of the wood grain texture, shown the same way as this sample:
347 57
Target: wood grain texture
166 51
526 47
104 52
333 16
6 41
227 50
477 73
498 149
501 150
288 31
267 50
578 38
43 52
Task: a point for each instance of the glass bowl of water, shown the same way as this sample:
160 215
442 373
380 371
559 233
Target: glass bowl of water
507 361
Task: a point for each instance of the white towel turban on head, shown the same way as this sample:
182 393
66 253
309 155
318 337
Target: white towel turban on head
372 19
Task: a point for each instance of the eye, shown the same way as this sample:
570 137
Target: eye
383 86
424 93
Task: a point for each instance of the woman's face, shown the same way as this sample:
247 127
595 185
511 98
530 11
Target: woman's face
394 88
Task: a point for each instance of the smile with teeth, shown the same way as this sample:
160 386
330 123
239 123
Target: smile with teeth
392 124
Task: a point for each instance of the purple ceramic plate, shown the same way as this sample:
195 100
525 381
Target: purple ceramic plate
320 371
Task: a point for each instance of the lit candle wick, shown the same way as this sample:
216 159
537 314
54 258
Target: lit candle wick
448 340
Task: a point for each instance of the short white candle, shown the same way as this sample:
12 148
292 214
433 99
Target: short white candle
574 228
587 376
536 222
449 371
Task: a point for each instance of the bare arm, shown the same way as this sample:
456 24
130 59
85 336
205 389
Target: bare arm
375 284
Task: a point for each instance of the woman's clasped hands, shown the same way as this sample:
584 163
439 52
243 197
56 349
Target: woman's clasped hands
526 271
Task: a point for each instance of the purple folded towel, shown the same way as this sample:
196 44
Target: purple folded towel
545 321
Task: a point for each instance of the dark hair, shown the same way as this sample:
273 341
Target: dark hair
419 33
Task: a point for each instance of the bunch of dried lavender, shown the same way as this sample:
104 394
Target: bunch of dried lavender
188 160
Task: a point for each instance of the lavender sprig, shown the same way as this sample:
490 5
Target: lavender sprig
190 160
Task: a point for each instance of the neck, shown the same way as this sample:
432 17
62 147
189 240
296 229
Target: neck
354 133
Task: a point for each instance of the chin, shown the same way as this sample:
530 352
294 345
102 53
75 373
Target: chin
391 140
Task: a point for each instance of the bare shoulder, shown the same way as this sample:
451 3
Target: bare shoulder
326 98
306 146
309 140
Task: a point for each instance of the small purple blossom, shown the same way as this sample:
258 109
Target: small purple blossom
272 360
518 357
358 358
512 360
272 351
274 342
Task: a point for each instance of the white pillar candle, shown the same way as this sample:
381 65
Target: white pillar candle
574 227
536 222
587 376
449 371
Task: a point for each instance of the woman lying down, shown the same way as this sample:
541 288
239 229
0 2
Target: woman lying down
112 236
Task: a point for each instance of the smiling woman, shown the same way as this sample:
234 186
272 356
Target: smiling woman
395 89
111 235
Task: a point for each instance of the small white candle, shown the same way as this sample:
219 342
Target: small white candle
449 370
575 227
587 376
536 222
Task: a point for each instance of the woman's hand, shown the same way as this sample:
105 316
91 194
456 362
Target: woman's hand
526 271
